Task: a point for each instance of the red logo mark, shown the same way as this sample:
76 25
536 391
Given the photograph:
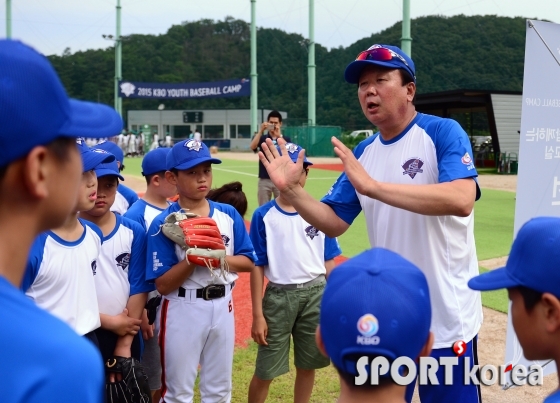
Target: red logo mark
459 348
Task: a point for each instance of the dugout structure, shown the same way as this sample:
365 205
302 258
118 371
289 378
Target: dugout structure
315 139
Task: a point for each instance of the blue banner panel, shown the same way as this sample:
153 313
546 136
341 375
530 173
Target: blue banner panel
219 89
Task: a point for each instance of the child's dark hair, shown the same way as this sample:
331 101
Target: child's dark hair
230 193
149 177
530 297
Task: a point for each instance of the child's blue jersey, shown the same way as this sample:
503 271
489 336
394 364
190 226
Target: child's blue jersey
124 198
143 213
164 253
121 267
36 347
59 277
291 250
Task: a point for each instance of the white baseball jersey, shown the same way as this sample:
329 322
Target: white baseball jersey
36 345
59 277
164 253
143 213
121 267
430 150
124 198
297 251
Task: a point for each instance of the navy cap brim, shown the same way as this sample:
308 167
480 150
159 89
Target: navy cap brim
493 280
106 172
91 120
195 162
91 159
354 69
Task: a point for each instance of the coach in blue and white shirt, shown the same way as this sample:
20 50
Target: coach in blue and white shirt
416 184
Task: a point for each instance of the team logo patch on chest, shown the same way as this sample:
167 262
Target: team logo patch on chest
311 232
94 267
412 167
123 260
226 239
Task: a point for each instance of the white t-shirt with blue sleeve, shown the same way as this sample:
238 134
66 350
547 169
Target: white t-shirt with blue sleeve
36 345
59 277
164 253
291 250
430 150
121 268
124 198
143 213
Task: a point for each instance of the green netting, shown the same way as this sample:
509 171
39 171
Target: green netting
315 139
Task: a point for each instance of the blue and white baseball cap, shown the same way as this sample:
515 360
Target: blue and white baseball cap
35 109
108 168
534 260
379 55
155 161
375 304
293 152
113 149
91 158
189 153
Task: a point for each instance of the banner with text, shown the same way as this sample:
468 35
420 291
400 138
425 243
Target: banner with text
538 180
218 89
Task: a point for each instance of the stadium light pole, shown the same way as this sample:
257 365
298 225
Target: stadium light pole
311 66
254 94
8 19
406 40
118 60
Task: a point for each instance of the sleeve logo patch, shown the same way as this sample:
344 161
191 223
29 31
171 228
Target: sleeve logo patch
467 160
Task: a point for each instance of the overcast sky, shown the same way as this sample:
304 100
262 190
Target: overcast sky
53 25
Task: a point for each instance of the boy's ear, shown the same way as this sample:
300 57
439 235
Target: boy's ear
551 310
171 178
35 170
427 349
319 341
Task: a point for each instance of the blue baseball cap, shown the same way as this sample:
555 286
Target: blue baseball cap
155 161
108 168
91 158
533 262
35 109
189 153
375 304
379 55
113 149
293 152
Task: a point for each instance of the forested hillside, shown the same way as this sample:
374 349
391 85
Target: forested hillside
481 52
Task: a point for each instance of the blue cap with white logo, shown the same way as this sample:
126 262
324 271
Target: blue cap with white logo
533 261
293 152
35 109
91 158
188 154
375 304
108 168
113 149
155 161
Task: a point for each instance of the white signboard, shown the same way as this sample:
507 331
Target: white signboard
538 181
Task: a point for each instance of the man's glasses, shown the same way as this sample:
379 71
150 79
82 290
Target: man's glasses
380 54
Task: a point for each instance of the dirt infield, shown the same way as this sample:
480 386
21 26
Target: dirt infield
492 335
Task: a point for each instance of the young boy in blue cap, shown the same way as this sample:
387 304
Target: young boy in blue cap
196 314
377 294
40 175
126 197
296 258
532 279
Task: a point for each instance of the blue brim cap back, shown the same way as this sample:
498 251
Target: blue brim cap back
188 154
108 168
155 161
92 158
493 280
35 109
113 149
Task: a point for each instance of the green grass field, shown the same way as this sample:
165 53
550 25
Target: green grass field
494 214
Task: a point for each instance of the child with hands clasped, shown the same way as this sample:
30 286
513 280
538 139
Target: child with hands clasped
296 258
196 313
120 274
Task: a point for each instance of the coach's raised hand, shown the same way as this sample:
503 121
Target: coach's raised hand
282 171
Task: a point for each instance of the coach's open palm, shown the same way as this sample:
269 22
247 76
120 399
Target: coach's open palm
355 172
281 169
